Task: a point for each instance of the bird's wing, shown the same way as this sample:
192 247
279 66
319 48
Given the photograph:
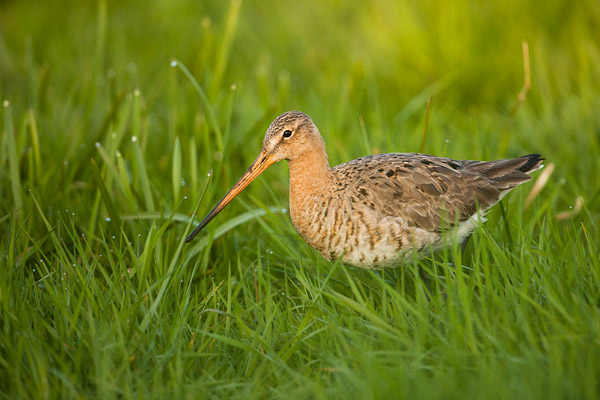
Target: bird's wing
430 192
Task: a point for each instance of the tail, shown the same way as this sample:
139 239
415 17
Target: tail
531 162
505 175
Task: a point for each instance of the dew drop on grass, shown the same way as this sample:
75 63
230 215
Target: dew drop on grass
173 63
185 197
134 139
107 219
182 183
6 103
209 173
114 135
113 237
284 210
447 140
130 67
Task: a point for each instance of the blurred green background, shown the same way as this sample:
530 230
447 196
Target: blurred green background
160 93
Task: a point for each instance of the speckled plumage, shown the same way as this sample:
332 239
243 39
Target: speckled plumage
376 210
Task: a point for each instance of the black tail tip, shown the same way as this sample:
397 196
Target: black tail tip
531 163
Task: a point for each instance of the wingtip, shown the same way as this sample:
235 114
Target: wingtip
534 162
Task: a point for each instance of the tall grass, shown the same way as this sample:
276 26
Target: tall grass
124 123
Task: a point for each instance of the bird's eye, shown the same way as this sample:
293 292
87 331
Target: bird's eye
287 133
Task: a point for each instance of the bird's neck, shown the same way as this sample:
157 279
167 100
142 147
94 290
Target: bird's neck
309 174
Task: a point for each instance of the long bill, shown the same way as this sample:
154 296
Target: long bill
262 162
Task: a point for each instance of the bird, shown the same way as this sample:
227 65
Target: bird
383 209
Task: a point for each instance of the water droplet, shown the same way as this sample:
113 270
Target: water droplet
137 93
34 270
6 103
447 141
209 173
284 210
173 63
139 235
233 87
182 183
130 67
134 139
113 237
107 219
113 135
185 197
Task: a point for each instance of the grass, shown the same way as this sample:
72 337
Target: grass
125 122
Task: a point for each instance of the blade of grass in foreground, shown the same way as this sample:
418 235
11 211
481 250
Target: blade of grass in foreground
176 171
13 163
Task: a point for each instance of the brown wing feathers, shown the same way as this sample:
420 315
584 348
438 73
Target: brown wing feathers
427 191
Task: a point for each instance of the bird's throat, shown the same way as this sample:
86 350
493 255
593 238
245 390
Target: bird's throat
310 178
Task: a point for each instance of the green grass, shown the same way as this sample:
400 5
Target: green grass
124 123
